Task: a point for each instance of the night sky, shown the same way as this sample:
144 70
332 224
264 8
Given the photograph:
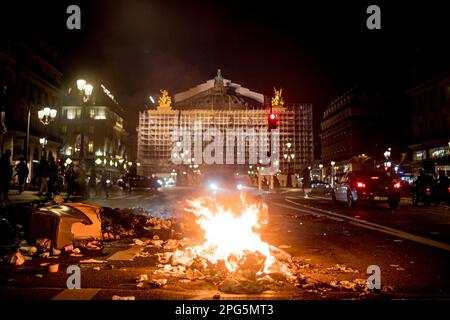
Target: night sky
313 50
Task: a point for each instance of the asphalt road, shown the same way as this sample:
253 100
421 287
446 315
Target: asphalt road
411 245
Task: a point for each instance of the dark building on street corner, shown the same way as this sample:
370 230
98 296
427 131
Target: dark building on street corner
29 81
360 126
430 122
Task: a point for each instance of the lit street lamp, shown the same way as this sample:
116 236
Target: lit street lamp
47 115
43 142
387 153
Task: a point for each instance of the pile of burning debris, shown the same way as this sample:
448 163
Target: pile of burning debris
249 277
229 256
234 259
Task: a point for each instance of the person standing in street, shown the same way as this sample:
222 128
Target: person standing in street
22 174
6 173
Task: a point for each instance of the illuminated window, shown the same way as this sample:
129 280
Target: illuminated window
100 114
419 155
92 113
91 147
78 114
439 152
71 114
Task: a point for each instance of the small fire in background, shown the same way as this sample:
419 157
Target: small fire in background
230 234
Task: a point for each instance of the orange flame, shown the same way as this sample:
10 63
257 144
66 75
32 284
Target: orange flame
228 234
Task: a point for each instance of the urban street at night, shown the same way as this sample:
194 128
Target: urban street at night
224 151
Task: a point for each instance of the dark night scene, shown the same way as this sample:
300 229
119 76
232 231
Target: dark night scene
233 154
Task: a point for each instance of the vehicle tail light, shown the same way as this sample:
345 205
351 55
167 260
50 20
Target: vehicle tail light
427 189
360 184
397 185
448 189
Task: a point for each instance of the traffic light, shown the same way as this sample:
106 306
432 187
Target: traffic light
273 121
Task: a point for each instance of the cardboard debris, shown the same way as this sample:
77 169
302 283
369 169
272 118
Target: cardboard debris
43 244
138 242
180 258
194 274
28 250
158 283
17 259
142 277
343 268
76 255
115 297
92 261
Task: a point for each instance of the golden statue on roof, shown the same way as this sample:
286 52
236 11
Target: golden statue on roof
164 100
277 100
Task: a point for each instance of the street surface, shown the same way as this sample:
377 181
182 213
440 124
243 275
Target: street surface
411 245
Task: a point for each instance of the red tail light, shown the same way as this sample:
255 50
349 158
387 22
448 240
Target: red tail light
428 189
360 184
448 189
397 185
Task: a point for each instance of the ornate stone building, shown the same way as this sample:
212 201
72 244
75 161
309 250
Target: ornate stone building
223 105
96 122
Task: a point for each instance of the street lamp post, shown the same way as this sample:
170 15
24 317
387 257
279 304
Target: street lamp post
85 90
387 155
332 172
46 116
320 171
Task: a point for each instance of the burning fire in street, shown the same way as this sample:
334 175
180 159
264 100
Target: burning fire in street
229 236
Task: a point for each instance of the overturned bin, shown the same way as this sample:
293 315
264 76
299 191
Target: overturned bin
66 223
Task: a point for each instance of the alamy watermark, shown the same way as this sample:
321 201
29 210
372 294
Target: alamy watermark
230 146
74 280
374 280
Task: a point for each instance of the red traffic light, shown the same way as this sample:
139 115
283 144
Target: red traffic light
273 119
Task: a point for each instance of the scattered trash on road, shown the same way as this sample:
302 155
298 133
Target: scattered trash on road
92 261
17 259
123 298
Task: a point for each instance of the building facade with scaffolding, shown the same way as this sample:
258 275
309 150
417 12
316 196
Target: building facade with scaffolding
222 105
